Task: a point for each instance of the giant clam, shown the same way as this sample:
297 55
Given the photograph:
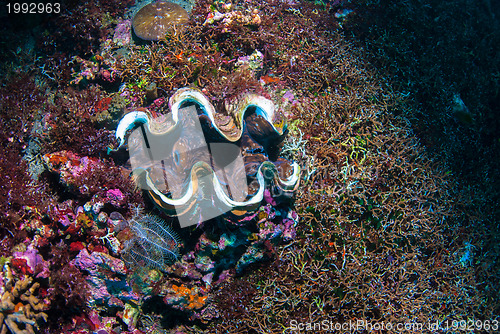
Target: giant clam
197 164
152 21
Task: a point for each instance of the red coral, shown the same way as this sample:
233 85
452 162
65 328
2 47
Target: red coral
21 266
103 104
76 246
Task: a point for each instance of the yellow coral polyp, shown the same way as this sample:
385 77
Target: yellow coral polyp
199 302
182 290
83 219
262 215
190 295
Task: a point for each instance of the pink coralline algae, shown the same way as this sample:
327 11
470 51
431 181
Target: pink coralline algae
62 213
34 262
91 177
115 197
107 278
123 34
71 168
95 262
268 197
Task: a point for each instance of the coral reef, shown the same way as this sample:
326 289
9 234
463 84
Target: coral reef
106 280
233 17
82 34
90 70
391 117
122 35
185 298
20 104
71 122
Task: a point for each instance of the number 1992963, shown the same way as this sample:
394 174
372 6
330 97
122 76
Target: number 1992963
33 8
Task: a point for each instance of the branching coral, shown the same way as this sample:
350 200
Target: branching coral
20 309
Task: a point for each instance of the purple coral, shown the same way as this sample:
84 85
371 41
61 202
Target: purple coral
34 261
123 34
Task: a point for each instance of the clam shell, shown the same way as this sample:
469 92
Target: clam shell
191 177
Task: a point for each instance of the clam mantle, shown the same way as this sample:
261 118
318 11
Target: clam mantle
188 159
